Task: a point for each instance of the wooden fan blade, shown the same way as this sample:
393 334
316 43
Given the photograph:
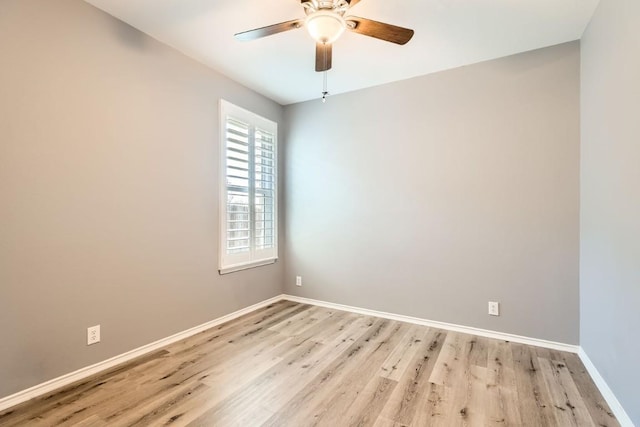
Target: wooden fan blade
323 56
269 30
379 30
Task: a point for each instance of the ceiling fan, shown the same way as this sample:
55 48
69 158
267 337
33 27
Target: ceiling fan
325 22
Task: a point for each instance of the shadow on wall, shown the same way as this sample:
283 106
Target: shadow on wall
129 36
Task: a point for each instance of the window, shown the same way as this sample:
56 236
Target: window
248 236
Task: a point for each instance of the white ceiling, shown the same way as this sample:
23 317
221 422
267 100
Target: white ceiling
448 34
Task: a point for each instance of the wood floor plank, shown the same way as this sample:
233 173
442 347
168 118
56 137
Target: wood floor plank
533 403
186 411
326 356
434 410
92 421
414 386
275 386
327 331
449 367
364 410
455 369
384 422
468 379
277 311
291 364
394 367
319 403
568 411
596 405
155 409
469 398
574 401
196 368
297 324
228 410
478 351
353 404
69 401
502 392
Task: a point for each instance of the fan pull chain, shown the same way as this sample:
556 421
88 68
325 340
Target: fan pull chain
324 87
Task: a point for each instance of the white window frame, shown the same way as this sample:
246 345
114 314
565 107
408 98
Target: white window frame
229 263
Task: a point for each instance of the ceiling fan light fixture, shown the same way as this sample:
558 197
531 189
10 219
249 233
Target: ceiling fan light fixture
325 26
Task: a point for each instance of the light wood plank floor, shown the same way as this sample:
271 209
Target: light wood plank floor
292 364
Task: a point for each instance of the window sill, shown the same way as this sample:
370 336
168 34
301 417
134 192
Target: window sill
246 266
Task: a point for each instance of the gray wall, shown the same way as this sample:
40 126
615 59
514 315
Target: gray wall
610 198
431 196
108 189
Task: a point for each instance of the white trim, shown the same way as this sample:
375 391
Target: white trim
442 325
246 265
48 386
228 263
607 393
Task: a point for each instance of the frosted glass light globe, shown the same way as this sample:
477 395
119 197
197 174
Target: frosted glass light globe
325 26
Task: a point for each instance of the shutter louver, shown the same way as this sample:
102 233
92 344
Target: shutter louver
238 189
264 179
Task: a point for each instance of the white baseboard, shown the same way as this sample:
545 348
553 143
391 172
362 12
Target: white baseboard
82 373
441 325
46 387
607 393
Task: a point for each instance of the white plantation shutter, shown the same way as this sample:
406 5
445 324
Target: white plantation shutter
265 189
238 189
249 193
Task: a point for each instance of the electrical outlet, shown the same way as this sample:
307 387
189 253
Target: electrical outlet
298 280
494 308
93 335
